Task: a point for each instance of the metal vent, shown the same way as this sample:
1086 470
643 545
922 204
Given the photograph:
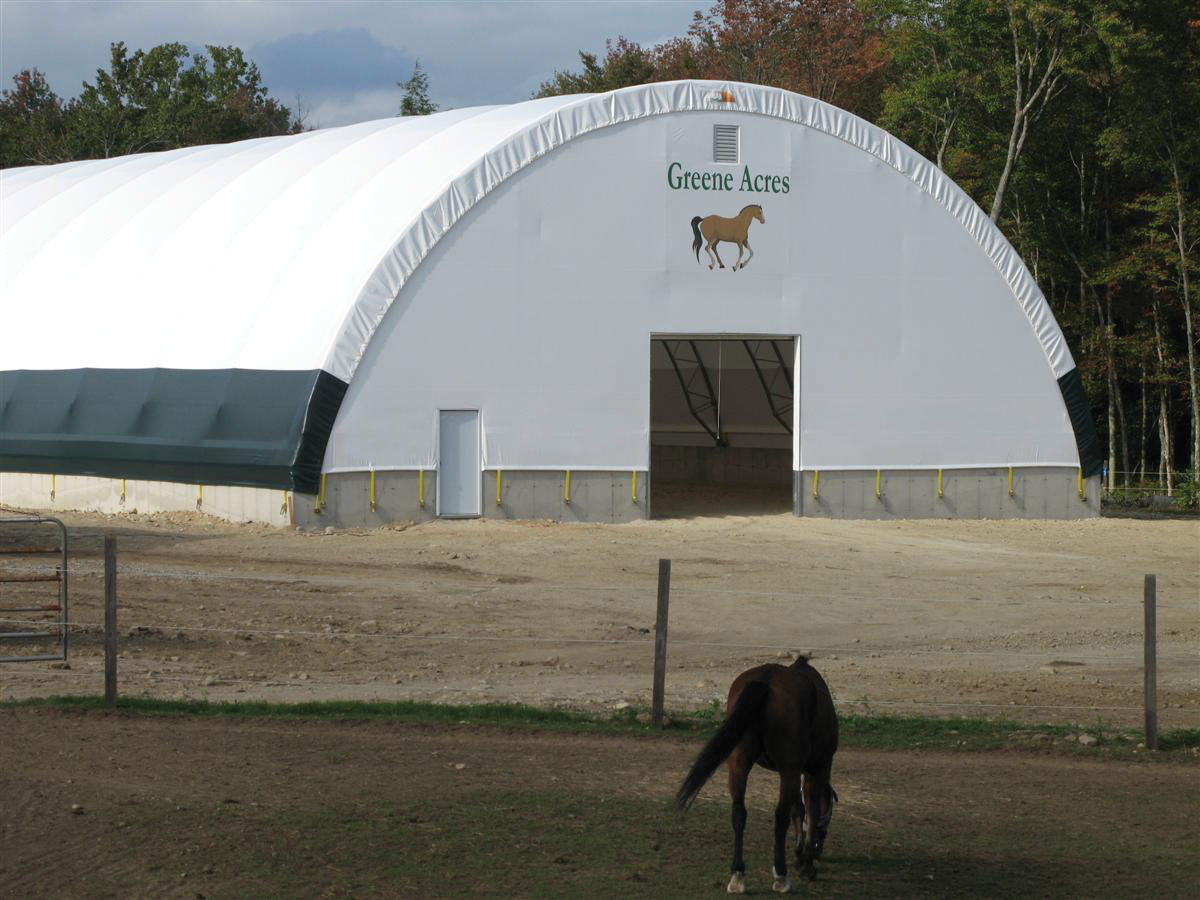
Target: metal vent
726 142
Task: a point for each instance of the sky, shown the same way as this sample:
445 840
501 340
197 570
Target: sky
340 61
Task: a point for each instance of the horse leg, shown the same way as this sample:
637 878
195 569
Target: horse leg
739 772
712 248
712 257
739 264
812 790
798 822
789 791
750 257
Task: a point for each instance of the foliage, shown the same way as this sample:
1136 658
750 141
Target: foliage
415 101
33 122
625 63
157 99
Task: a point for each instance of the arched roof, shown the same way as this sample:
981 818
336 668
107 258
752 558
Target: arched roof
282 255
285 252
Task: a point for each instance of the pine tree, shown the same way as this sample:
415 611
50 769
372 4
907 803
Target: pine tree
415 101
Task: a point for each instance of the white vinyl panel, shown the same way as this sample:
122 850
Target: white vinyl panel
913 357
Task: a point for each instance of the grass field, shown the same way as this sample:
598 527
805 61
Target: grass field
209 800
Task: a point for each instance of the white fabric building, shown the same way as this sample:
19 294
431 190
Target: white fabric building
448 314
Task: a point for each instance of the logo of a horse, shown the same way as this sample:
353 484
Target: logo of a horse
711 230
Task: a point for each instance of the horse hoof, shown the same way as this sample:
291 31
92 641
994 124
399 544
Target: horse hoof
737 883
782 885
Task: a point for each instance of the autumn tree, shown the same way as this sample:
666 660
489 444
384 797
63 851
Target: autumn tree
827 49
823 48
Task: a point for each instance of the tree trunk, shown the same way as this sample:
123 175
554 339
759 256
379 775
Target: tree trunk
1186 297
1024 68
1112 426
1164 408
1141 467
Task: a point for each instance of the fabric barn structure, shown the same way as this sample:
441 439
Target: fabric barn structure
531 311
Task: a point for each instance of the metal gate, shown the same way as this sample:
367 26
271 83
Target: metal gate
38 626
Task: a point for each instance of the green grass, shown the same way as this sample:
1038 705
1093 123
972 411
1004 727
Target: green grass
871 731
562 842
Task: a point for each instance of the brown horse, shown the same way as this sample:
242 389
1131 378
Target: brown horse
781 718
711 230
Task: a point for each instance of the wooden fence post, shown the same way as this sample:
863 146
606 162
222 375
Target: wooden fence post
660 643
1151 664
110 621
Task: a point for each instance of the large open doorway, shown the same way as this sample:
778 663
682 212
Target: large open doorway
721 420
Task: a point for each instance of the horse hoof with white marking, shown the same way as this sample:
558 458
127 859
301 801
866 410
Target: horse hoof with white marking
782 885
737 883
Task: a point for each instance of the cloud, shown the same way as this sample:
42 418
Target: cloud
342 58
346 109
330 62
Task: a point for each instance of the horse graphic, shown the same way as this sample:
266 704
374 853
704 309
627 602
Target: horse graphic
711 230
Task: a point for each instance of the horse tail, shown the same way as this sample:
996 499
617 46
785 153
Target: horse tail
699 240
744 716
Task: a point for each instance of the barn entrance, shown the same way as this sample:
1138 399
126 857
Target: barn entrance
721 420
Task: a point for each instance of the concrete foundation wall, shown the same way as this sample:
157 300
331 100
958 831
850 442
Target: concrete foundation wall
348 500
722 465
82 492
594 497
1037 493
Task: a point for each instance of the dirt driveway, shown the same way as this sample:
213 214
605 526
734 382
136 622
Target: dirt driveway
1038 620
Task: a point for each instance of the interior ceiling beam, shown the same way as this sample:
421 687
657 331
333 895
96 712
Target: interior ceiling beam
696 385
770 365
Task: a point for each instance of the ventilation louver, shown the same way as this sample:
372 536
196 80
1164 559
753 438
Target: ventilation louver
725 143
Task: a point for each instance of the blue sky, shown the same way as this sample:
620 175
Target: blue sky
341 60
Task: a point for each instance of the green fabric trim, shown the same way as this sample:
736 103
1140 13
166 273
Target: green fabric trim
251 427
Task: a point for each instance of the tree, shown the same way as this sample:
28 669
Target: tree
1154 138
33 118
998 65
827 49
165 97
157 99
625 64
415 101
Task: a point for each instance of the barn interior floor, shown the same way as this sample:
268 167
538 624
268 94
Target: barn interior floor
698 499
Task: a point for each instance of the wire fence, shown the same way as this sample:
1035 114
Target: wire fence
94 567
88 568
146 629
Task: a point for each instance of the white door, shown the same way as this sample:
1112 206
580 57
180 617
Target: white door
460 475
